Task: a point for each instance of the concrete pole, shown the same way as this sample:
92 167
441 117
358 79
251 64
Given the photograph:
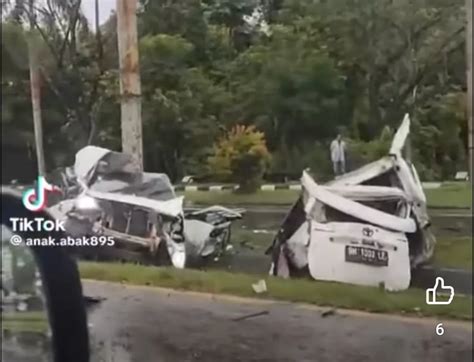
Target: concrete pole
35 86
469 81
130 88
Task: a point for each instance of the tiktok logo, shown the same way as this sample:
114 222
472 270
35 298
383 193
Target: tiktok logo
35 200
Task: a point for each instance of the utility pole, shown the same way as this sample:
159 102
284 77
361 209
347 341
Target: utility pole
130 89
469 81
35 85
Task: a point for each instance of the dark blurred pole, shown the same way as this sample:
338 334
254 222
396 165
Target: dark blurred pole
35 85
130 88
469 80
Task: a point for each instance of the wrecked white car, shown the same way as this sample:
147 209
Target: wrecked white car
208 231
107 195
367 227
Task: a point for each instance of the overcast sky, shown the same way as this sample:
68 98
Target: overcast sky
105 7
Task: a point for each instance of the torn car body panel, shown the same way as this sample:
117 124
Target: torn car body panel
323 234
363 174
361 193
354 208
208 241
400 137
87 160
197 233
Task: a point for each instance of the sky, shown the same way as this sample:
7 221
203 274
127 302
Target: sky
88 7
105 7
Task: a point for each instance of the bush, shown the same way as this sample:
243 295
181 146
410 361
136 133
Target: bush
293 160
242 157
439 135
360 153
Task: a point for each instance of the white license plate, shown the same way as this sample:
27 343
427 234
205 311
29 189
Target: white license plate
369 256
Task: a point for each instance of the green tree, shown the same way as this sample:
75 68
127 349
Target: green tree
231 14
357 64
440 135
242 157
289 87
72 63
181 106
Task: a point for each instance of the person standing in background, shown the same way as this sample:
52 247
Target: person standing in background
338 150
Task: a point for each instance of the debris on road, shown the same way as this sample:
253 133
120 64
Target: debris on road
246 244
253 315
261 231
366 227
92 301
329 312
260 287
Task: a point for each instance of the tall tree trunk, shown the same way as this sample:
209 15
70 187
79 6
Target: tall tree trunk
35 85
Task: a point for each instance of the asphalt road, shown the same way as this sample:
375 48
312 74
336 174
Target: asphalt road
148 324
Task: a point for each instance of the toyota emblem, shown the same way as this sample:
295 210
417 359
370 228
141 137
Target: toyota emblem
367 232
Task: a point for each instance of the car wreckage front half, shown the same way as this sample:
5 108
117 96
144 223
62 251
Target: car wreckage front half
367 227
107 195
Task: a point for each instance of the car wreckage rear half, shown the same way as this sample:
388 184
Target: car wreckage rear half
107 195
367 227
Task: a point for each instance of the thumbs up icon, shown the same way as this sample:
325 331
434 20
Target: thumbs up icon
439 287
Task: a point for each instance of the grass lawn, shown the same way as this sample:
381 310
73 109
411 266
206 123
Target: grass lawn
25 321
451 195
297 290
454 253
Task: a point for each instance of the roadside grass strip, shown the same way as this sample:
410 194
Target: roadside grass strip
369 299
